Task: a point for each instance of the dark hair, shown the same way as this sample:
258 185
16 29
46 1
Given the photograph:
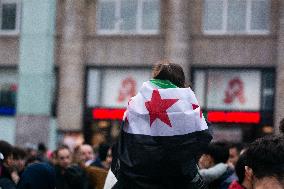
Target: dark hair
265 157
238 146
218 151
41 147
62 147
103 149
19 153
240 167
165 70
6 149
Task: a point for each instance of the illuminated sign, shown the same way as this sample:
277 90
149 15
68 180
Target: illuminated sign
107 113
233 117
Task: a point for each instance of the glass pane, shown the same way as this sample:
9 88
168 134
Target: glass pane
9 16
236 15
213 15
268 87
151 15
107 15
260 15
128 14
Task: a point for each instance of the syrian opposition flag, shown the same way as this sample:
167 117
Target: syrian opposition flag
162 133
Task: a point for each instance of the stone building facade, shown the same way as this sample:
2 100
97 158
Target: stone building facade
98 42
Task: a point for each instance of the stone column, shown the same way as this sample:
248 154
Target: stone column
36 75
71 67
279 100
177 43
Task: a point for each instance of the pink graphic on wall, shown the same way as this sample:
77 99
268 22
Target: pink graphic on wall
127 89
235 90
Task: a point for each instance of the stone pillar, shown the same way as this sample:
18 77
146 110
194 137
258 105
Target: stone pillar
279 101
36 75
71 67
177 43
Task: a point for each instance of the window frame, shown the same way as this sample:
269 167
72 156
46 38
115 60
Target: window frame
15 31
118 20
248 24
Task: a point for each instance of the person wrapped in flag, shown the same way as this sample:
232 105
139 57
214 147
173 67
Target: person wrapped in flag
162 134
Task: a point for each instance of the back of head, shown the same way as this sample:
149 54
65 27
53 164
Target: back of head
103 149
218 151
265 157
19 153
38 175
240 167
166 70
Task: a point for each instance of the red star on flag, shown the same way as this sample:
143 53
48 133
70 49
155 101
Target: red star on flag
195 106
157 108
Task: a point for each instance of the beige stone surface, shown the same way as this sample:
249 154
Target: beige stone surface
177 34
279 100
9 50
121 51
234 51
71 69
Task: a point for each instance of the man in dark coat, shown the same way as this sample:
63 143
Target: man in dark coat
38 175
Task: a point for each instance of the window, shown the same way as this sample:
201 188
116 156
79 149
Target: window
128 16
9 19
236 16
8 91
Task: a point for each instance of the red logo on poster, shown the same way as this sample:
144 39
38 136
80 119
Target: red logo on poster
235 90
127 89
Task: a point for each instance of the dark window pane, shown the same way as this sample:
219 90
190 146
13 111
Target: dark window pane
268 85
9 12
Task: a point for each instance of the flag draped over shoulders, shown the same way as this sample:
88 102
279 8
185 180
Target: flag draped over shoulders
162 132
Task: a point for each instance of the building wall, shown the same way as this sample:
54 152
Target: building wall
233 50
133 50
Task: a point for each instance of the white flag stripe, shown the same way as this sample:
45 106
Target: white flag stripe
184 119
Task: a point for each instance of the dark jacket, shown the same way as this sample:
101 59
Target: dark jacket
6 181
74 177
165 167
38 175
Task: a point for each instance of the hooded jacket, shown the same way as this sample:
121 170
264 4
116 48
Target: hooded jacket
38 176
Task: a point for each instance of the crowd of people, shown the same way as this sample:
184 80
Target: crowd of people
64 168
165 143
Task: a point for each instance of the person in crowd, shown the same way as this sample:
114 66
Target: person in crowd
104 158
19 156
6 165
42 152
68 176
265 162
38 176
162 133
234 153
244 177
213 167
86 154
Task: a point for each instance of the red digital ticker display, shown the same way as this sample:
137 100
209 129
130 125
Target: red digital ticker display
212 116
233 117
107 113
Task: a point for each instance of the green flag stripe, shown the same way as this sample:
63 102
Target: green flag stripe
164 84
